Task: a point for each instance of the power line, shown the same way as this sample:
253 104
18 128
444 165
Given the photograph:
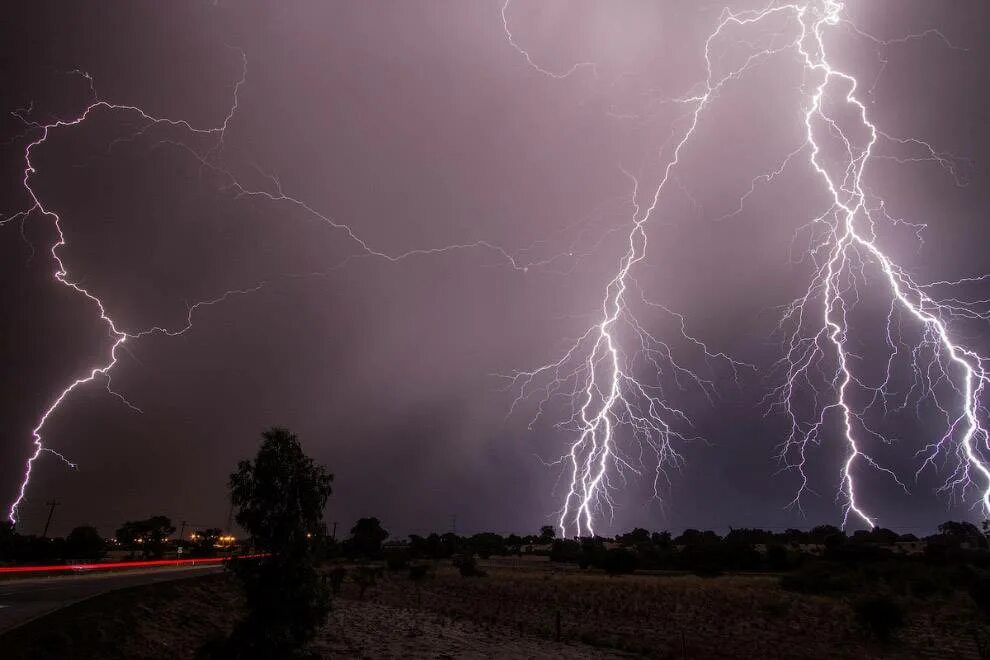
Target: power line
51 513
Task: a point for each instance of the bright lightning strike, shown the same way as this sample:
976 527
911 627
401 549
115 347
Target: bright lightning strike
844 246
208 158
597 374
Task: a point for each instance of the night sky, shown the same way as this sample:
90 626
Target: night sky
419 126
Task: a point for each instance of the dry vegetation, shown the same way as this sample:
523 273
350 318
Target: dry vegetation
512 613
678 616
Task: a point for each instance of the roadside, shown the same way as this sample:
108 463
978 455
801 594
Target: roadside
176 619
25 599
167 620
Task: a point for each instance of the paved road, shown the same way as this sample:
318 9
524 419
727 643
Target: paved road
23 600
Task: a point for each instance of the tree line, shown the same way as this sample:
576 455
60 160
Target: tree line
280 495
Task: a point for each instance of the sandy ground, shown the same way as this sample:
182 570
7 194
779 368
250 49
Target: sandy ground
371 630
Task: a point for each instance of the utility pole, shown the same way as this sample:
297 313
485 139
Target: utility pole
182 529
51 513
453 524
333 534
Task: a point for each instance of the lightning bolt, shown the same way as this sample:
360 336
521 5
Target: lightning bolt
597 374
843 246
209 158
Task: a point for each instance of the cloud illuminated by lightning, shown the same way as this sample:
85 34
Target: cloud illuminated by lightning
844 248
208 158
597 372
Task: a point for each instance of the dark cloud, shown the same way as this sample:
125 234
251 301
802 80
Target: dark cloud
418 125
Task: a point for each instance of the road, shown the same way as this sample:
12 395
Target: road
24 600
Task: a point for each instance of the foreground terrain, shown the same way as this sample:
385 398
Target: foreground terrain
513 611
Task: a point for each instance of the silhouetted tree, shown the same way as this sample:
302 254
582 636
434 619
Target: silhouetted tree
747 536
366 537
547 534
149 536
487 544
637 537
8 540
821 533
661 540
618 561
84 543
962 532
280 497
565 550
777 558
692 537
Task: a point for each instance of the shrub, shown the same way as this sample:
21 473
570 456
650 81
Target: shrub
337 576
979 591
777 558
619 561
396 561
468 566
364 577
565 550
880 616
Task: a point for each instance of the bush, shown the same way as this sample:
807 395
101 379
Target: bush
777 558
565 550
619 561
396 561
979 591
708 560
468 566
364 577
337 576
880 616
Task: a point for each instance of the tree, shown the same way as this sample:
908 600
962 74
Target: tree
547 534
823 534
637 537
619 561
280 497
660 540
962 532
693 537
84 543
367 536
8 540
148 535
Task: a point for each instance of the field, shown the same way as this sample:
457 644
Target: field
513 611
671 616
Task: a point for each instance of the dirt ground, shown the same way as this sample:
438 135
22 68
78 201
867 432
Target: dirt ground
680 616
371 630
174 620
510 613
